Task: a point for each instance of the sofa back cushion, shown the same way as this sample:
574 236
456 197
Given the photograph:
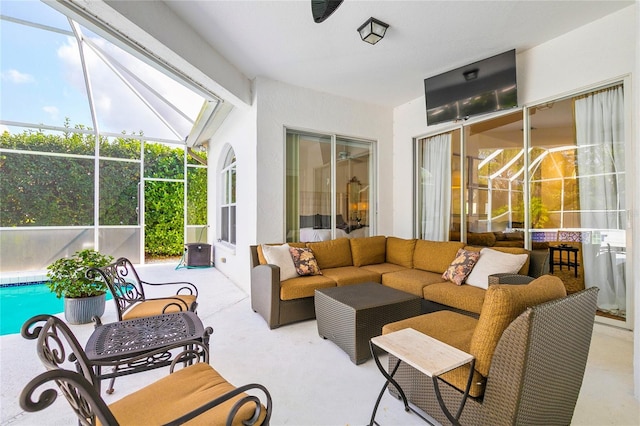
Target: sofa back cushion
524 270
332 253
400 251
435 256
368 250
502 304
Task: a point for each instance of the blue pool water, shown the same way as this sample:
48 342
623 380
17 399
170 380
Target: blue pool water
18 303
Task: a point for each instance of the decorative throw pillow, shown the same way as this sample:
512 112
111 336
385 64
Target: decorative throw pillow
281 257
304 261
461 266
494 262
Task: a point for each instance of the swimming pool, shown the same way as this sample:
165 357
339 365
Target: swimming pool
19 302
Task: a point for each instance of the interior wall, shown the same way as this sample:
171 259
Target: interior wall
595 53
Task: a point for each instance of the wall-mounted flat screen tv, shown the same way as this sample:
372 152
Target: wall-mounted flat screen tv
481 87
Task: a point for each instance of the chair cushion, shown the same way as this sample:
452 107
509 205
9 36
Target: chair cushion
369 250
502 304
261 258
384 268
524 270
411 280
461 266
435 256
494 262
400 251
465 297
177 394
297 288
304 261
281 257
351 275
332 253
152 307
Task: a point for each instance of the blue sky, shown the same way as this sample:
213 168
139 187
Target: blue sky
42 79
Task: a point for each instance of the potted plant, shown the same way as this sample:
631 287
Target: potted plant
83 298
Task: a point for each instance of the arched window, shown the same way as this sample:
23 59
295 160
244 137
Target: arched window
228 201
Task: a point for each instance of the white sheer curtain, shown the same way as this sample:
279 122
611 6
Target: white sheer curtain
600 138
435 208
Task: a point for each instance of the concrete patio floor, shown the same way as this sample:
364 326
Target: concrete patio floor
311 380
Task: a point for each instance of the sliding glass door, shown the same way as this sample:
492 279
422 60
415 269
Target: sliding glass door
329 185
559 182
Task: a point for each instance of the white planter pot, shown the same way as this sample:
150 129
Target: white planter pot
81 310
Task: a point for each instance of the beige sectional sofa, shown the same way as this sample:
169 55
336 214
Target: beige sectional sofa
411 265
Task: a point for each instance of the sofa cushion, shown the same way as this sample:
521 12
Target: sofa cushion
502 304
297 288
346 275
411 280
465 297
461 266
435 256
332 253
400 251
304 261
384 268
368 250
494 262
513 250
263 261
453 329
281 257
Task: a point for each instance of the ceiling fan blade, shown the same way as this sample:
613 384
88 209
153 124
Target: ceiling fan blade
322 9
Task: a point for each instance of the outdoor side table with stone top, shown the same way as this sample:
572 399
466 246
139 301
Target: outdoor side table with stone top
351 315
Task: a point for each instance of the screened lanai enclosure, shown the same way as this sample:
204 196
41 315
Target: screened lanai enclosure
94 150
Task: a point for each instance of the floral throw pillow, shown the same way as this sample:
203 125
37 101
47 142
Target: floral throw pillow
304 261
461 266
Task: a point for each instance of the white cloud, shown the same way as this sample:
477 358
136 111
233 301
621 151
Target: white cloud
17 77
53 112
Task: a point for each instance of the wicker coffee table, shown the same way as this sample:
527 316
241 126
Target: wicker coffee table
351 315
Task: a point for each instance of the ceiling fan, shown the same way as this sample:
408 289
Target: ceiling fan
322 9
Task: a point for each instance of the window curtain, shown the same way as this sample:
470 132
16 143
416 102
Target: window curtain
599 121
293 187
435 178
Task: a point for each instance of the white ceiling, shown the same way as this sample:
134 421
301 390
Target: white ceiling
279 39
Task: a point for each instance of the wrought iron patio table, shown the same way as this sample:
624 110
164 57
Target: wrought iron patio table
143 344
427 355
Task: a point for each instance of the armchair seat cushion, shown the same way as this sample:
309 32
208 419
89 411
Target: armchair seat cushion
181 392
411 280
465 297
152 307
304 286
351 275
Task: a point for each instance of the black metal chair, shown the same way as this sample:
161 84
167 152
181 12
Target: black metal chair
128 292
197 390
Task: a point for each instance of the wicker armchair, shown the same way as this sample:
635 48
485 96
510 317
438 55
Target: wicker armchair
196 391
535 374
129 295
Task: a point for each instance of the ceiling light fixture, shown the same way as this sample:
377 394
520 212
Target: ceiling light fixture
373 30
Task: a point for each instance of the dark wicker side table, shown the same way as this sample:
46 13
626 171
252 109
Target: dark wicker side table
351 315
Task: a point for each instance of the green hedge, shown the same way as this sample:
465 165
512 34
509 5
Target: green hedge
49 190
